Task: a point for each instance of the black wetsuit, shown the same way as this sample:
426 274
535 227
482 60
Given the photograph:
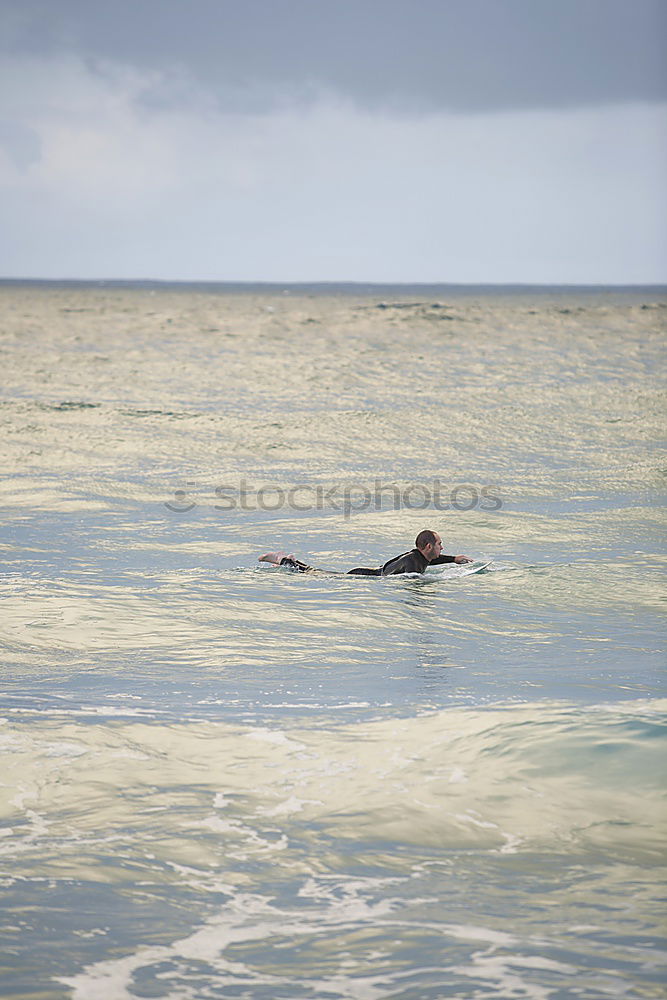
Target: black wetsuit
408 562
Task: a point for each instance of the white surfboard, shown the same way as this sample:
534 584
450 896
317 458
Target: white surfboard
453 571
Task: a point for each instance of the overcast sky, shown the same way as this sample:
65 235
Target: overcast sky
304 140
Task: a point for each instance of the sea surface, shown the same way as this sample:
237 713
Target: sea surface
225 780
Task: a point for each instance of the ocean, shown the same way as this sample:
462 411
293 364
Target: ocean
223 779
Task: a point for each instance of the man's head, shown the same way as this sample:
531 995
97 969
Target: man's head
429 544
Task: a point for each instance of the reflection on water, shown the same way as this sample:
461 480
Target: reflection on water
228 780
339 841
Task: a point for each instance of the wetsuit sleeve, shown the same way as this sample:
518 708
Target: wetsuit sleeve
442 559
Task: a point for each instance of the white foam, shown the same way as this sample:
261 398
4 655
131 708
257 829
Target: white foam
457 776
65 750
290 806
507 983
276 737
236 829
482 824
471 932
246 918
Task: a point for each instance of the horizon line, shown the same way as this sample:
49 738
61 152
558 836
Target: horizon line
319 283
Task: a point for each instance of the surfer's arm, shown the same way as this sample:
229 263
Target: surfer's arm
282 559
450 559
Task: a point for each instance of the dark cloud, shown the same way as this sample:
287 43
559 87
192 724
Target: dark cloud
457 55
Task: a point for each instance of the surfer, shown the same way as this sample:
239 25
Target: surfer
427 552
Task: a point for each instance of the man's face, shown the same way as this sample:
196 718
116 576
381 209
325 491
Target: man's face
434 550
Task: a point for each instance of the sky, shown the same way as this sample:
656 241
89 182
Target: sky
436 141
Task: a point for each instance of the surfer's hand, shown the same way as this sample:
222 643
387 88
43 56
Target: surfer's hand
462 559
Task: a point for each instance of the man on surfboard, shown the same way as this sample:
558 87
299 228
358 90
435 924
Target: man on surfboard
427 552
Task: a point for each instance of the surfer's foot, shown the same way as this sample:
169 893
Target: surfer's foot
275 557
